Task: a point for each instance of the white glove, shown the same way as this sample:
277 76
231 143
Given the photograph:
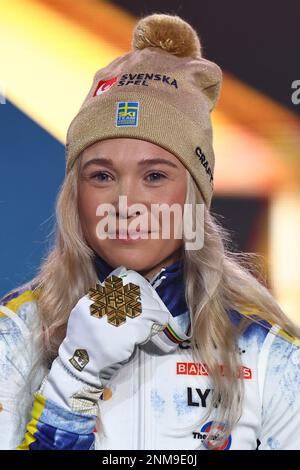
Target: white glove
94 349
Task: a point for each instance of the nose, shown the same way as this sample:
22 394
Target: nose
127 194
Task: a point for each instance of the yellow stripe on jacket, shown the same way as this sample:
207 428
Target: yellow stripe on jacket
37 410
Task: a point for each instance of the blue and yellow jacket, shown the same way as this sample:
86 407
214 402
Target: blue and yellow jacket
150 401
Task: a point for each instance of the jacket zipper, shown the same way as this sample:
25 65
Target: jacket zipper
145 364
140 407
146 431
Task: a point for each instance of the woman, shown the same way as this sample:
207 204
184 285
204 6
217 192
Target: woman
147 341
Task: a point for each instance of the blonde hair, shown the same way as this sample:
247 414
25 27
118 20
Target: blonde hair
216 280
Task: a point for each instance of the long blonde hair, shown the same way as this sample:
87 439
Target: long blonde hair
216 279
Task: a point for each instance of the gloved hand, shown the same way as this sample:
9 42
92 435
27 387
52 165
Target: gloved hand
103 331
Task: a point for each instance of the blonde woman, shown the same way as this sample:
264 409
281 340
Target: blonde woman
135 340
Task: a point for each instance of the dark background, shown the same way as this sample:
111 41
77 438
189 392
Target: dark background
258 41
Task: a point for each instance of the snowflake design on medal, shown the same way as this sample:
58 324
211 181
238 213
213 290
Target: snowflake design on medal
115 300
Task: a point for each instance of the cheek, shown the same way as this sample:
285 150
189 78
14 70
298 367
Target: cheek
174 194
175 197
87 206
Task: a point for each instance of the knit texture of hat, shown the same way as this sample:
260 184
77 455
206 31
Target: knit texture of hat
163 91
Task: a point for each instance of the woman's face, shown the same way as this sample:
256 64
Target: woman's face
147 174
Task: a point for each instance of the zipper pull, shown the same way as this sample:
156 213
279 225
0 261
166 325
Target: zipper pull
156 276
158 282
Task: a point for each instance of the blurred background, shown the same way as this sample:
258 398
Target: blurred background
49 52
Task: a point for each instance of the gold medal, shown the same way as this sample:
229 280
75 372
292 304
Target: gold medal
115 300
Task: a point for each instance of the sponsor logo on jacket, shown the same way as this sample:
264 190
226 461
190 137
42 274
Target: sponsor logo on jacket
192 368
199 398
202 435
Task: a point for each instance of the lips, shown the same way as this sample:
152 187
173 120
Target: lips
129 234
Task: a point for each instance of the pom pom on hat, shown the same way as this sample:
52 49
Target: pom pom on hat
169 32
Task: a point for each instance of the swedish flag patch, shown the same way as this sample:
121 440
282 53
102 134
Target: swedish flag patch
127 113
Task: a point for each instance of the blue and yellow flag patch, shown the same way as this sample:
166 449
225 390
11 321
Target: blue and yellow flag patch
127 113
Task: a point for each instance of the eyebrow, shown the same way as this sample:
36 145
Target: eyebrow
98 161
144 162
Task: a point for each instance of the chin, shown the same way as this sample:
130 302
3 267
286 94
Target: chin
137 260
138 263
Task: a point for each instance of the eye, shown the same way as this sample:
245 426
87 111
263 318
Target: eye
158 176
100 176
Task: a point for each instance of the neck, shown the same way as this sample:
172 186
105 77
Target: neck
169 261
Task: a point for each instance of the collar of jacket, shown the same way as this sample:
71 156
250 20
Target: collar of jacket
168 283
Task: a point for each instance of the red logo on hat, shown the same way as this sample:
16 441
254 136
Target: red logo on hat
104 85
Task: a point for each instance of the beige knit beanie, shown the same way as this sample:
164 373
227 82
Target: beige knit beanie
163 91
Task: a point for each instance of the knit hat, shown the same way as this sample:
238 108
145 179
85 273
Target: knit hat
163 91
